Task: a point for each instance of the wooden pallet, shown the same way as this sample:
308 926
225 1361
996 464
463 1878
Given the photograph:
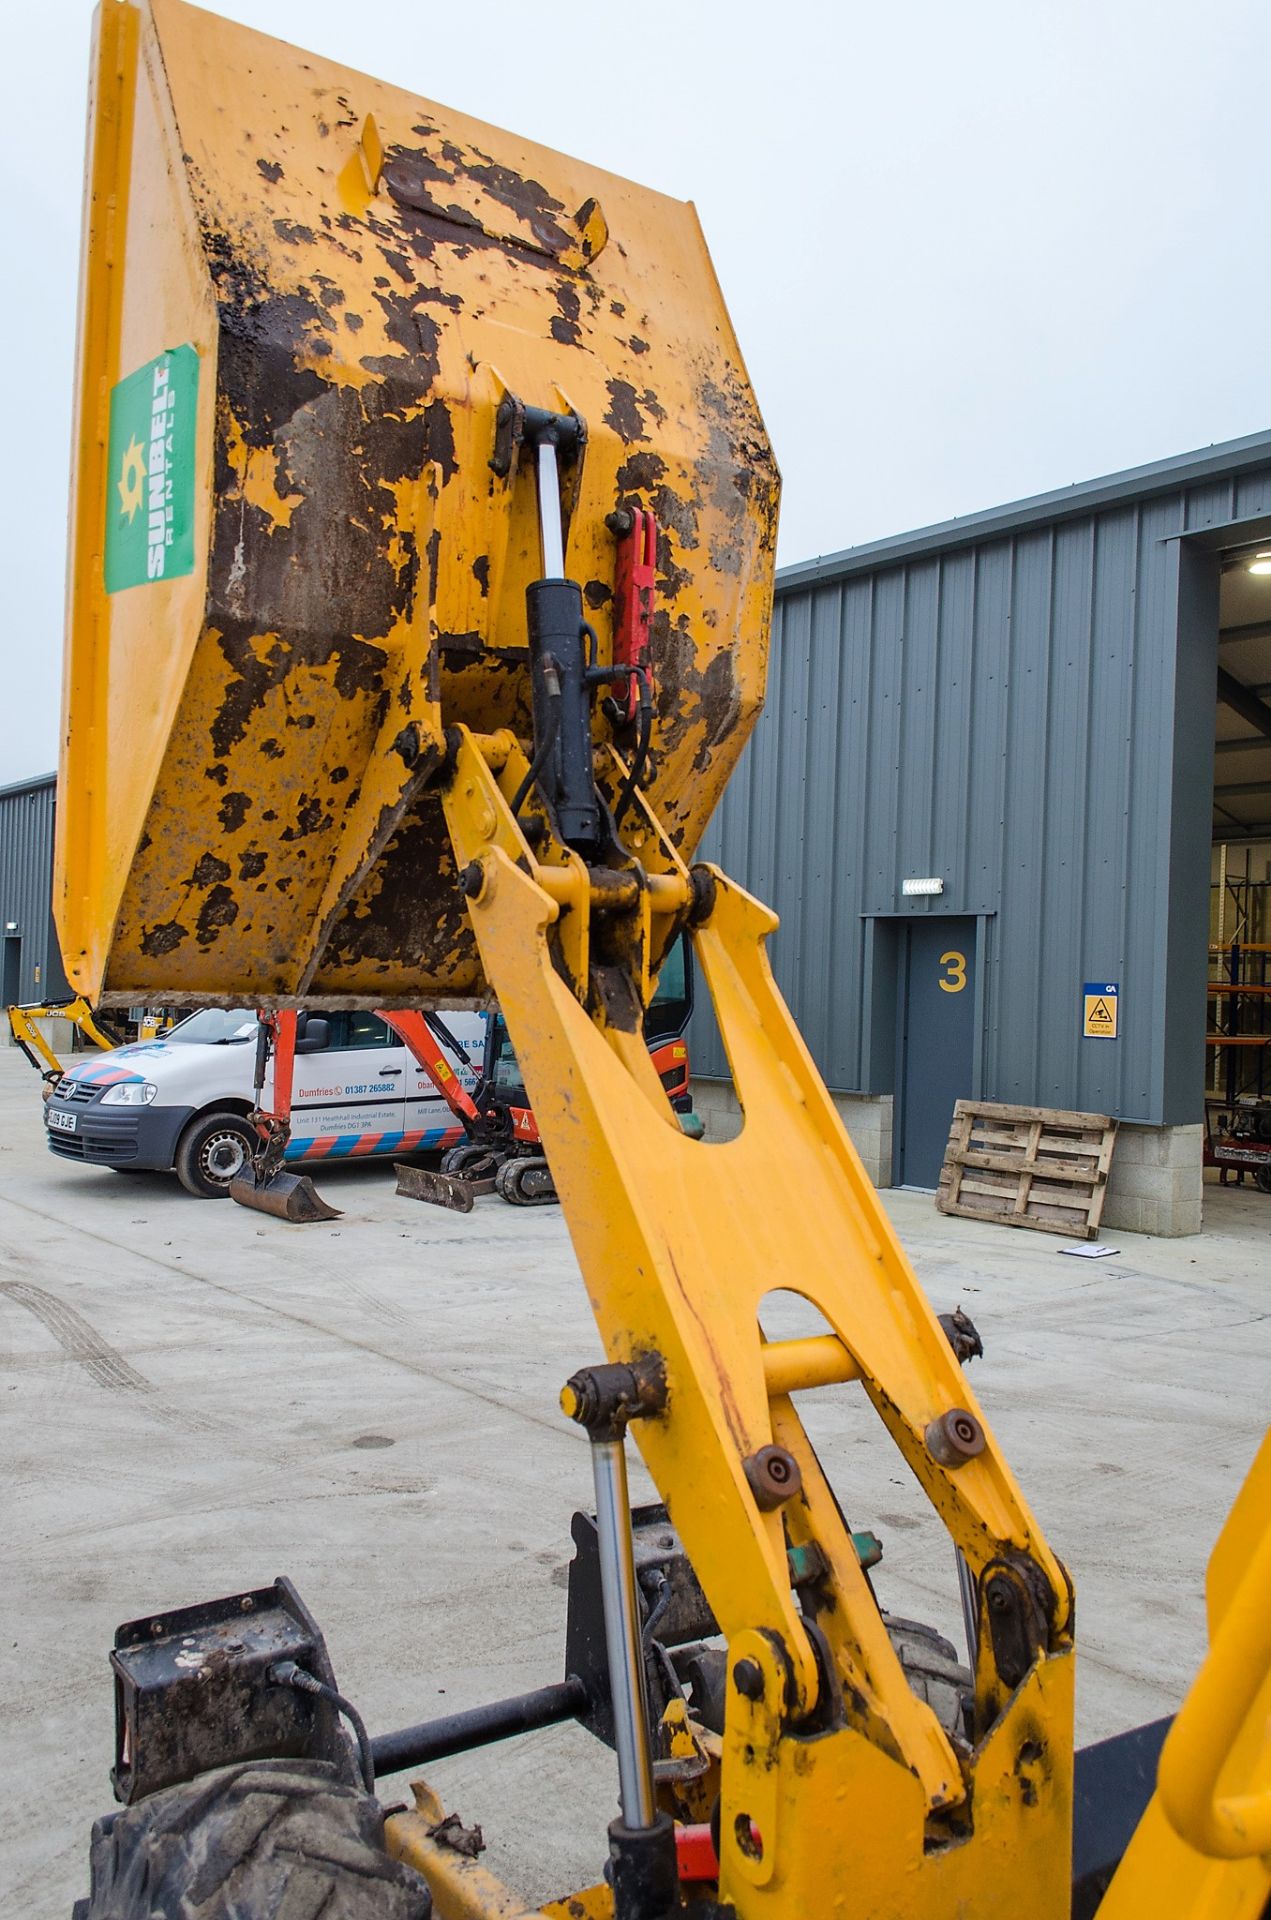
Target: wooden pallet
1027 1167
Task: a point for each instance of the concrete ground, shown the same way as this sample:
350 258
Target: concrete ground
199 1398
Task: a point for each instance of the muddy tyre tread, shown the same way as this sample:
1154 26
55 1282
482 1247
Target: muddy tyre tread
270 1840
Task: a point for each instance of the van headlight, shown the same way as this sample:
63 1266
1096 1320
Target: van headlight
130 1093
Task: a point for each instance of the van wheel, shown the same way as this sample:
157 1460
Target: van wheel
213 1150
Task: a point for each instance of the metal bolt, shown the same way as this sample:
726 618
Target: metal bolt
963 1336
471 880
748 1679
578 1399
954 1437
606 1397
407 744
774 1477
404 182
704 890
869 1548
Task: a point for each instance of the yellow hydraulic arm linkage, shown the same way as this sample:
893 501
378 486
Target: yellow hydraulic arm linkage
25 1024
834 1774
419 476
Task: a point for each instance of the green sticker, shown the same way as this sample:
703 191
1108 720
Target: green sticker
150 494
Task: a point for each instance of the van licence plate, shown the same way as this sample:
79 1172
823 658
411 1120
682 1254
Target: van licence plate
61 1122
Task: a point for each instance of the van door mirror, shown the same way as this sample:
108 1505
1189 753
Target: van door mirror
314 1035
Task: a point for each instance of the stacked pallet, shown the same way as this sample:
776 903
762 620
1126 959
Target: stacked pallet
1027 1167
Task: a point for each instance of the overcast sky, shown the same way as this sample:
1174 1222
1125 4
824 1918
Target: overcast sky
972 251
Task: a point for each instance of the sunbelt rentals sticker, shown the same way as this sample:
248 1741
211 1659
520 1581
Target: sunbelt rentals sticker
150 496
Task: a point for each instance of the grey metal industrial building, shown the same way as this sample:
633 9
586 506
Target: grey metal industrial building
1019 712
1019 709
32 960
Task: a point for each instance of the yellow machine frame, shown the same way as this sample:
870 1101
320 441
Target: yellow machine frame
1203 1848
679 1243
440 369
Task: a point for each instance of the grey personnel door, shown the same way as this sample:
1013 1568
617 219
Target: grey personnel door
936 1036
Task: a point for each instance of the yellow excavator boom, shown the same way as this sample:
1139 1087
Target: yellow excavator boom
27 1025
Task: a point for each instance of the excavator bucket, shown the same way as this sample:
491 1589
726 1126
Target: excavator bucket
439 1189
287 1196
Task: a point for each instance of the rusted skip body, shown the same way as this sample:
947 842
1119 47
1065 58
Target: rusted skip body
301 531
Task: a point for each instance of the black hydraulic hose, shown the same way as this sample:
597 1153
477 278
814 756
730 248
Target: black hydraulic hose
641 754
656 1589
551 686
48 1073
441 1033
480 1093
262 1055
288 1674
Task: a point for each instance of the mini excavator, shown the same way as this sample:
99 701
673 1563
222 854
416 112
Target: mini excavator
375 404
501 1151
27 1023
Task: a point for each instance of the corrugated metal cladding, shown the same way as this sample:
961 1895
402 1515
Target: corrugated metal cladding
32 962
1021 704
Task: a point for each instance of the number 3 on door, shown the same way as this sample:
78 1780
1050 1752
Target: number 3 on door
954 978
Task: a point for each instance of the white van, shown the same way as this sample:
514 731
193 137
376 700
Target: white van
181 1103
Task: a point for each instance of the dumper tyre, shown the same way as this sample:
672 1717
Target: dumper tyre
934 1672
251 1842
212 1150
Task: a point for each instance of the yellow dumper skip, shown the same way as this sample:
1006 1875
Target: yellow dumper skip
312 303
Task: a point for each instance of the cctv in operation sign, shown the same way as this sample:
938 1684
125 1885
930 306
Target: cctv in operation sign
1101 1004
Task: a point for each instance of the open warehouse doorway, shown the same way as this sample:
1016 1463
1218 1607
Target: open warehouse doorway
1029 721
1238 1026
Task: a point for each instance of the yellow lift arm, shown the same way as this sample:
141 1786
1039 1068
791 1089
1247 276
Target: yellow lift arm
25 1024
419 479
834 1774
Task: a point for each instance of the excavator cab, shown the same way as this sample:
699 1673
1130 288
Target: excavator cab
665 1029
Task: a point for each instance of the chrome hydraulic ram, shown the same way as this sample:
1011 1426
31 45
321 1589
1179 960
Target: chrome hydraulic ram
642 1841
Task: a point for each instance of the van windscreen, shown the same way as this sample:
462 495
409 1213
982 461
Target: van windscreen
216 1026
